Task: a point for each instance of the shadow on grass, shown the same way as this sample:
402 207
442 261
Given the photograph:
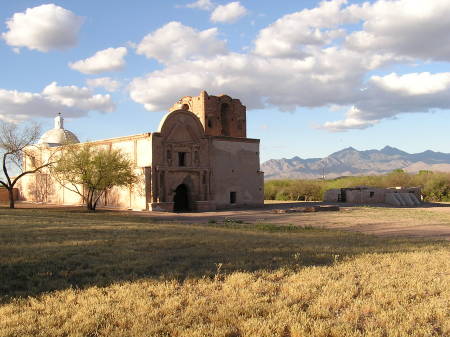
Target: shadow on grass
45 250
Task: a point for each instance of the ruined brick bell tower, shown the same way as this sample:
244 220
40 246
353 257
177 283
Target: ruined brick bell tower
219 115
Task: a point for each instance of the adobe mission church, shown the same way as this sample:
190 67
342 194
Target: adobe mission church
200 159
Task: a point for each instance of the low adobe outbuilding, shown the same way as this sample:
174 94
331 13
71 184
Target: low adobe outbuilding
396 196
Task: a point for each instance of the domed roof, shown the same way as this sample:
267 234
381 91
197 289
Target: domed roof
58 135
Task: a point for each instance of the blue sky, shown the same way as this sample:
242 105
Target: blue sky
316 76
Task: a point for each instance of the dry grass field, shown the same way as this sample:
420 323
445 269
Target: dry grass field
71 273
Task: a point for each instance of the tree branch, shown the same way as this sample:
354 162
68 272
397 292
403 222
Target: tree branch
5 170
28 172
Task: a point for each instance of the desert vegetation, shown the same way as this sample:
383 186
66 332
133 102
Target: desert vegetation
90 172
435 186
75 273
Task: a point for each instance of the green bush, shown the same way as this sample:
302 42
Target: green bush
297 190
435 185
437 188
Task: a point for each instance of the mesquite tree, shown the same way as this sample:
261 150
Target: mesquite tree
16 143
90 171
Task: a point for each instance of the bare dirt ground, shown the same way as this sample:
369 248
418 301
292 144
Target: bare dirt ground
428 220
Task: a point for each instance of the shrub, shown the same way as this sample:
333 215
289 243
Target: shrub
435 186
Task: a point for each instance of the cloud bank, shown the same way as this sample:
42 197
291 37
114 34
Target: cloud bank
311 58
73 101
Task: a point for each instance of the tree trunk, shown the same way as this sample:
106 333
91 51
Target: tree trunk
11 197
90 206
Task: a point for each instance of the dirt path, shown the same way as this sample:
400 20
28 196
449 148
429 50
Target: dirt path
427 221
432 220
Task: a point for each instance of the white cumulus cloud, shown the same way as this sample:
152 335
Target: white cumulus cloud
392 95
228 13
73 101
106 83
174 42
408 28
111 59
318 57
205 5
290 35
44 28
327 78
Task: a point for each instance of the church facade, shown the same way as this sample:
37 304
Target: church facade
199 160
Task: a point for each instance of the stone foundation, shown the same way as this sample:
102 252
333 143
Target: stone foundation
161 206
204 206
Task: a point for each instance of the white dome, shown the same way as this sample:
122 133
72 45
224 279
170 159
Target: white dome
58 135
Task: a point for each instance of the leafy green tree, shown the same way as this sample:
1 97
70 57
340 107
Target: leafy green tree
398 178
90 171
437 187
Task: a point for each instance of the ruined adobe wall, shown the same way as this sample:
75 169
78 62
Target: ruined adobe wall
366 196
219 115
235 167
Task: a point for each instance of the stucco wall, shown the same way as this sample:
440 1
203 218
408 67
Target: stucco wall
4 194
235 168
332 195
42 188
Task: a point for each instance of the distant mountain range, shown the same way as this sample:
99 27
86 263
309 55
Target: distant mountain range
351 162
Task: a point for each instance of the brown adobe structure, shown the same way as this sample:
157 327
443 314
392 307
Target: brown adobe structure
396 196
219 115
199 159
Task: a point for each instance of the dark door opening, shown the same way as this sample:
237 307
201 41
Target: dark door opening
232 197
181 199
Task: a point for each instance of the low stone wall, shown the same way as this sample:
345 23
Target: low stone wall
204 206
161 206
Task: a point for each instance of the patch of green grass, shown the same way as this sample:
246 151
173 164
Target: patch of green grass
268 227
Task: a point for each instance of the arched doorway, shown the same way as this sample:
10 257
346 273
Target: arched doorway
181 199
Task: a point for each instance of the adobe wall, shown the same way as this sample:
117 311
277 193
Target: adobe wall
4 194
219 115
42 188
368 195
236 169
180 132
331 195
